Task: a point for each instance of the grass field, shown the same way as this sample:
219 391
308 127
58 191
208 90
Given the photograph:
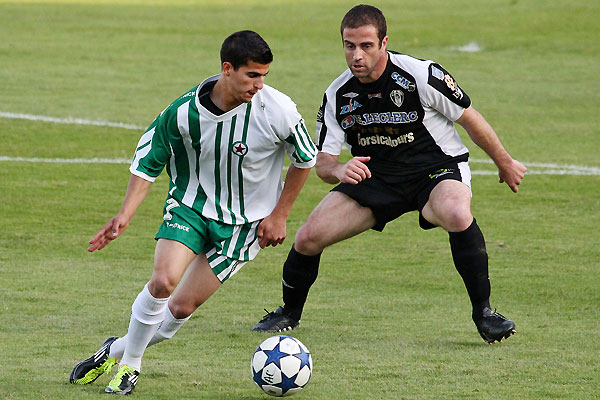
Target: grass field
388 317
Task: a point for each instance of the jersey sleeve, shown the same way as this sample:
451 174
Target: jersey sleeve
330 135
444 94
290 127
153 150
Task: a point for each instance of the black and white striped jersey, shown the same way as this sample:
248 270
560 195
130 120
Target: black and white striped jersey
403 121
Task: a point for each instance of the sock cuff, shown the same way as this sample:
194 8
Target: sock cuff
148 309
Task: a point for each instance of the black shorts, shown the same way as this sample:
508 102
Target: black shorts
389 199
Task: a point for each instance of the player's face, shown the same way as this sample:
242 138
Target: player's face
365 55
247 80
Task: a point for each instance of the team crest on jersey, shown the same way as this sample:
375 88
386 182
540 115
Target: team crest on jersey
397 97
403 82
239 149
350 107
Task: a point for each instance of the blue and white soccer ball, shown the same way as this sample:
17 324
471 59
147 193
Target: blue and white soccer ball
281 366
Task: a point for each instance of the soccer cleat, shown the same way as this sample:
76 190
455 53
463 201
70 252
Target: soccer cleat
276 321
493 326
124 381
90 369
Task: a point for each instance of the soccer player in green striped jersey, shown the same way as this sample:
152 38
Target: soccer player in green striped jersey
223 144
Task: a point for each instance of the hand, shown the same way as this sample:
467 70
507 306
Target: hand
354 171
109 232
512 173
271 231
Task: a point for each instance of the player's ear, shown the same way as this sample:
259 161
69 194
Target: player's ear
384 43
227 68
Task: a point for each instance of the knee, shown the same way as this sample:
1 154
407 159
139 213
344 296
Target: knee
161 285
306 242
458 220
181 309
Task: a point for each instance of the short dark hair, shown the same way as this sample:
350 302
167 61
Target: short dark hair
244 46
362 15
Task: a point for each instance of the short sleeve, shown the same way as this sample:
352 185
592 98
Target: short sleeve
444 94
153 150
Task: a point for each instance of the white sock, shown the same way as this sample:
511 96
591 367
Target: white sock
167 330
147 313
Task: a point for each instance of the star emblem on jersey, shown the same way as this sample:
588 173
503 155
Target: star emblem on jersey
239 149
397 97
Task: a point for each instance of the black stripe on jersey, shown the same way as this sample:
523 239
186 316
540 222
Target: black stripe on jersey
443 82
321 121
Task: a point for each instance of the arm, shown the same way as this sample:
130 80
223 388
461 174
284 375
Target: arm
137 189
480 131
272 230
330 170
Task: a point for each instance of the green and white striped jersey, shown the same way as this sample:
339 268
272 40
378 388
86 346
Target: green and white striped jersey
228 167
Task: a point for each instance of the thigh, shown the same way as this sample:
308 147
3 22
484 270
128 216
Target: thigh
198 283
449 206
336 217
171 258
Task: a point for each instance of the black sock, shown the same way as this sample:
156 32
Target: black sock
299 273
471 260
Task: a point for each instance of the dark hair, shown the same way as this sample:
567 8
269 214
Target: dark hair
244 46
362 15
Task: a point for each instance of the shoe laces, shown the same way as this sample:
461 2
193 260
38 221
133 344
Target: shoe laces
109 364
267 315
116 380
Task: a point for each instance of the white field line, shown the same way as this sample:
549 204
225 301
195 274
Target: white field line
76 121
532 168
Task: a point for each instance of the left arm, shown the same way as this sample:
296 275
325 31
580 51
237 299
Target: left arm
483 135
272 230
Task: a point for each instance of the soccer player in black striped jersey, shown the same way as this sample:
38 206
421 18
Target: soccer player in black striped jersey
397 114
223 145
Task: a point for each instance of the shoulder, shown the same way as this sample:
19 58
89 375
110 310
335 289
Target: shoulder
339 82
415 66
276 105
274 97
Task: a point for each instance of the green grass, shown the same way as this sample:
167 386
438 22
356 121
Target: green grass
388 316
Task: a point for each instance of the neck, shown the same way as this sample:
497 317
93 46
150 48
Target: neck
221 98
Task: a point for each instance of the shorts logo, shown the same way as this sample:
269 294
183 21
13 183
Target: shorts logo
440 172
177 226
397 97
239 149
403 82
171 204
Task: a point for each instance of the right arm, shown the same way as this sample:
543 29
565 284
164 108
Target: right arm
330 170
137 190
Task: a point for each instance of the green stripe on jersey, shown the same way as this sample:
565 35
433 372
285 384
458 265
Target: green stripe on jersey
218 170
304 148
196 135
240 174
229 161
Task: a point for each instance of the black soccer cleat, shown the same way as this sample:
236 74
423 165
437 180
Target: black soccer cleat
91 368
493 326
276 321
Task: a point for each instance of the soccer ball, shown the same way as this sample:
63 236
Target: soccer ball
281 366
